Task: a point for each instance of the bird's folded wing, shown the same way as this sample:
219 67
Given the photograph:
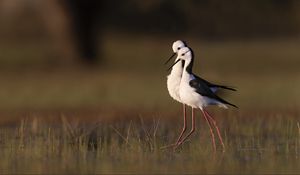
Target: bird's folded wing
202 88
211 85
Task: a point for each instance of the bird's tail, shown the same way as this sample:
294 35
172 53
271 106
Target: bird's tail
231 105
227 87
223 103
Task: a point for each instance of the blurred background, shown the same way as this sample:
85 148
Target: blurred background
58 55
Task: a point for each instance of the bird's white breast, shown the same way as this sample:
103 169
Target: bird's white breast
173 82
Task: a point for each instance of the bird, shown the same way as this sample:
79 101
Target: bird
173 82
198 94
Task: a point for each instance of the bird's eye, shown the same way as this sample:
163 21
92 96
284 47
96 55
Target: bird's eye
178 48
182 54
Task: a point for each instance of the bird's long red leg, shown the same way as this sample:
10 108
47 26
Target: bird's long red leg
184 125
217 129
192 130
211 131
183 129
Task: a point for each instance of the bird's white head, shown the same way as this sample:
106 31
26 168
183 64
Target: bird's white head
177 45
185 54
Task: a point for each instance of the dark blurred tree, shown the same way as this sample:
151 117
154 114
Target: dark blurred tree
76 26
85 18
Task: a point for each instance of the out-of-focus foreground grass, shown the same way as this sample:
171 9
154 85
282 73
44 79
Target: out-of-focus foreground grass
255 143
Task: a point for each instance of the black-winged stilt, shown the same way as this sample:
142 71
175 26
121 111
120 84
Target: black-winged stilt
198 93
173 81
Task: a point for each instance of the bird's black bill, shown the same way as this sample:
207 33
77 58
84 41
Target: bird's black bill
174 64
170 58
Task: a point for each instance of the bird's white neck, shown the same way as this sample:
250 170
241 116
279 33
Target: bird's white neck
188 66
177 68
186 76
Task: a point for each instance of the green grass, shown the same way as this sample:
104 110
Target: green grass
264 143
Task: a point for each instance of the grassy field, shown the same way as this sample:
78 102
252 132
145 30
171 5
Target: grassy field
255 143
114 118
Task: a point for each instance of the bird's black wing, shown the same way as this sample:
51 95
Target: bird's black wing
202 88
211 85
